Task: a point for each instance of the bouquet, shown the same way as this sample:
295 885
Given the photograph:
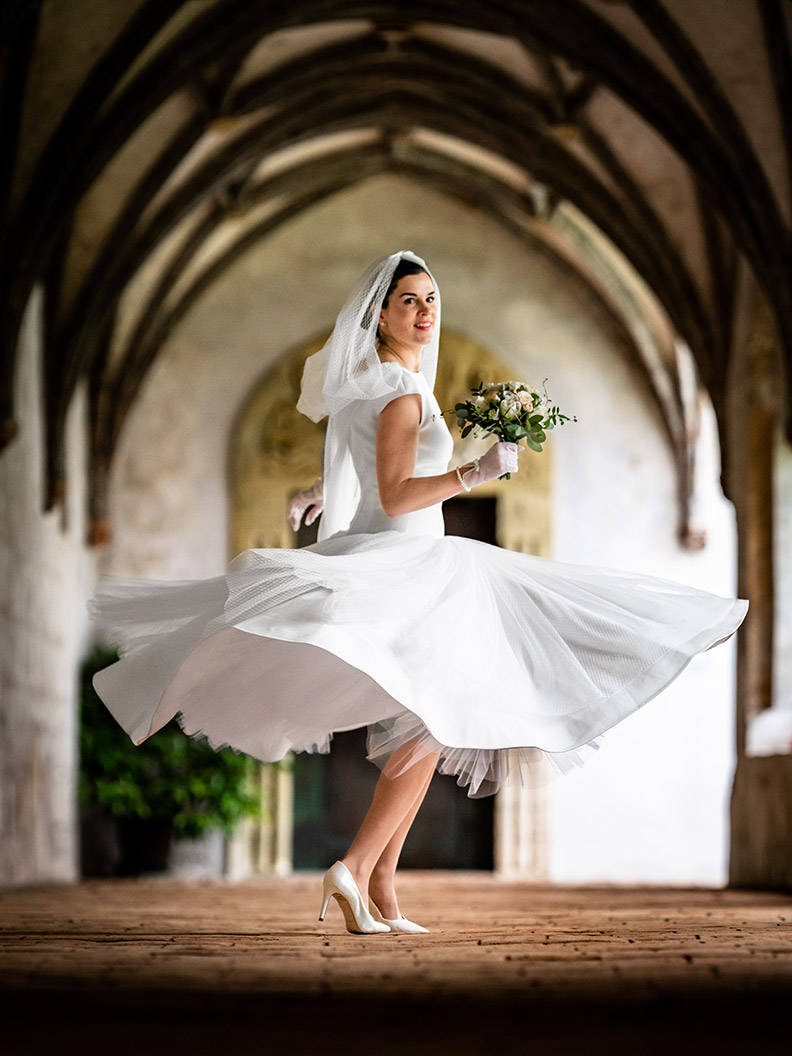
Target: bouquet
512 411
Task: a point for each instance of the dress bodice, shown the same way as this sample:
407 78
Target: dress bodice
435 447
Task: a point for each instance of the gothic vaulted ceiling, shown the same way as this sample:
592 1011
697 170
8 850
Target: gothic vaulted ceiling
149 143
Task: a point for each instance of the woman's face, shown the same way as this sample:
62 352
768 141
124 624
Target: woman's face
409 318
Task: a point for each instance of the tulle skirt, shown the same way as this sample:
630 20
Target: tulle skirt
494 661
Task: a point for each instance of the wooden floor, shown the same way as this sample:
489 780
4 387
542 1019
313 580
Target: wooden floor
150 966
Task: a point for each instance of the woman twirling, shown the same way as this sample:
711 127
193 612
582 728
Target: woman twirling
456 655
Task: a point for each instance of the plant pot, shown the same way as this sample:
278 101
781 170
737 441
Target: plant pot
100 851
198 859
145 845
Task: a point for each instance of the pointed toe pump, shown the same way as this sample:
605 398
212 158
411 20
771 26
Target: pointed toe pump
338 883
400 924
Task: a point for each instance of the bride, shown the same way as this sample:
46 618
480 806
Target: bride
457 655
407 324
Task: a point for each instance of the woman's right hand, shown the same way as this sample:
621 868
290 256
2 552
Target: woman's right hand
310 500
499 459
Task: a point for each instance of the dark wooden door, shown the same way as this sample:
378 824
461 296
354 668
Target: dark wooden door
332 792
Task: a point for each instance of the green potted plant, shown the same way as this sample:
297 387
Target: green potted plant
171 785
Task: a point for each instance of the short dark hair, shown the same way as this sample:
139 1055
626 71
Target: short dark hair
404 267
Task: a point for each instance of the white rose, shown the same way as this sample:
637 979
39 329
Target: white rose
511 406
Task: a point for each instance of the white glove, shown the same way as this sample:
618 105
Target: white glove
499 459
311 499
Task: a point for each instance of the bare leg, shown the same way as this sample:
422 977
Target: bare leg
383 875
394 798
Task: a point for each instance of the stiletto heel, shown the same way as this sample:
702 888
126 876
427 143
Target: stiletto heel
338 883
402 924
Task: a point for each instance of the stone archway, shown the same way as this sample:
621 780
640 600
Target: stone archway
274 451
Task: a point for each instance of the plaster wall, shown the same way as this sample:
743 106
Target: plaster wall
45 570
660 172
731 37
652 805
64 51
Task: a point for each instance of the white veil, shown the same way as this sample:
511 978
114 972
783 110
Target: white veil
348 369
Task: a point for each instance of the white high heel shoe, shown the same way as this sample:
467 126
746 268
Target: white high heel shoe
339 883
401 924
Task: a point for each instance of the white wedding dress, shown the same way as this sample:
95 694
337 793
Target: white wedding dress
498 661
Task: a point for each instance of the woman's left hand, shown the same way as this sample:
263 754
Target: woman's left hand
310 500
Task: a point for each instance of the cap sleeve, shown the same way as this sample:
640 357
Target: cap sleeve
405 383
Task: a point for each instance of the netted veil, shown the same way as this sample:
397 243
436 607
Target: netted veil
347 369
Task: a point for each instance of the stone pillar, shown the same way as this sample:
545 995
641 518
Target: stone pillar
521 833
782 662
761 805
263 845
45 576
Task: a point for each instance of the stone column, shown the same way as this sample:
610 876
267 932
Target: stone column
45 577
761 805
521 845
263 846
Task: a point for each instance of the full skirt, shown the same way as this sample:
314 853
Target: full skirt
493 660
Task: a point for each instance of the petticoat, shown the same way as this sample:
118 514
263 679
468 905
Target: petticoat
495 660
